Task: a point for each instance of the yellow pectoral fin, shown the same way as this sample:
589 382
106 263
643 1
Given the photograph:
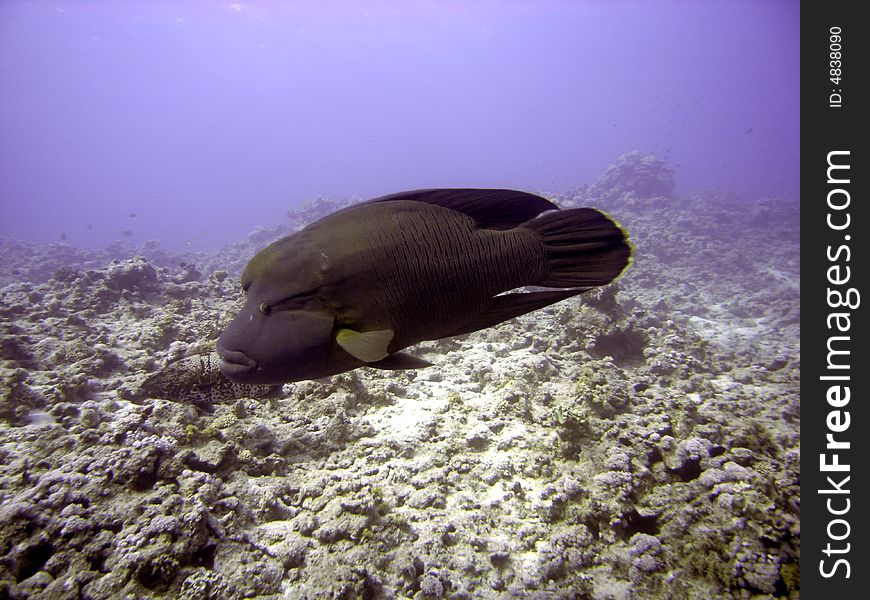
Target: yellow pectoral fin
370 346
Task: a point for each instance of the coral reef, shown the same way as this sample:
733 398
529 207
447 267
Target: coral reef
640 441
637 174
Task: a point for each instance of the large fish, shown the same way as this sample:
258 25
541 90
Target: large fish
361 284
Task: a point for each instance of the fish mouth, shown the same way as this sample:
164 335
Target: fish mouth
235 364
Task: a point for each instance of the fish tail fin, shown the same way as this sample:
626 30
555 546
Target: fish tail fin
585 247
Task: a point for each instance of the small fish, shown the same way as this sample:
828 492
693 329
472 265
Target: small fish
63 235
198 379
361 284
132 215
127 233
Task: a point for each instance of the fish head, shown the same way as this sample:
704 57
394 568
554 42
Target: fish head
274 346
282 333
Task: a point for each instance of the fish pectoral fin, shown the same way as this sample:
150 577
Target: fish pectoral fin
369 346
400 361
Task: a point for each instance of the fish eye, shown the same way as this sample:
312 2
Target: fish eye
265 308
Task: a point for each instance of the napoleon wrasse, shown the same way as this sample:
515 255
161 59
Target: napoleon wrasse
361 284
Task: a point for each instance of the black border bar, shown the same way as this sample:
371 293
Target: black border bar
835 425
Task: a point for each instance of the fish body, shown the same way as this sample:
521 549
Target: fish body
197 379
361 284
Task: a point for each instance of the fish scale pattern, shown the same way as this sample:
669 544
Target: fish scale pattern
446 264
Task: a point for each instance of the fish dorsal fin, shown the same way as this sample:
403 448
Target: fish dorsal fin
370 346
490 208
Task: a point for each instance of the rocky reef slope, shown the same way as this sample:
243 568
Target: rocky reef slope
641 441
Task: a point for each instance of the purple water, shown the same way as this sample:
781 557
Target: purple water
207 119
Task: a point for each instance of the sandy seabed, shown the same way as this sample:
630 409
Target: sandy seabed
640 441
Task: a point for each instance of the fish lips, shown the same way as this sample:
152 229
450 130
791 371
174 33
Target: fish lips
236 365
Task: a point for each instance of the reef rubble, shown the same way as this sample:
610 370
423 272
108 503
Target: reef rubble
640 441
